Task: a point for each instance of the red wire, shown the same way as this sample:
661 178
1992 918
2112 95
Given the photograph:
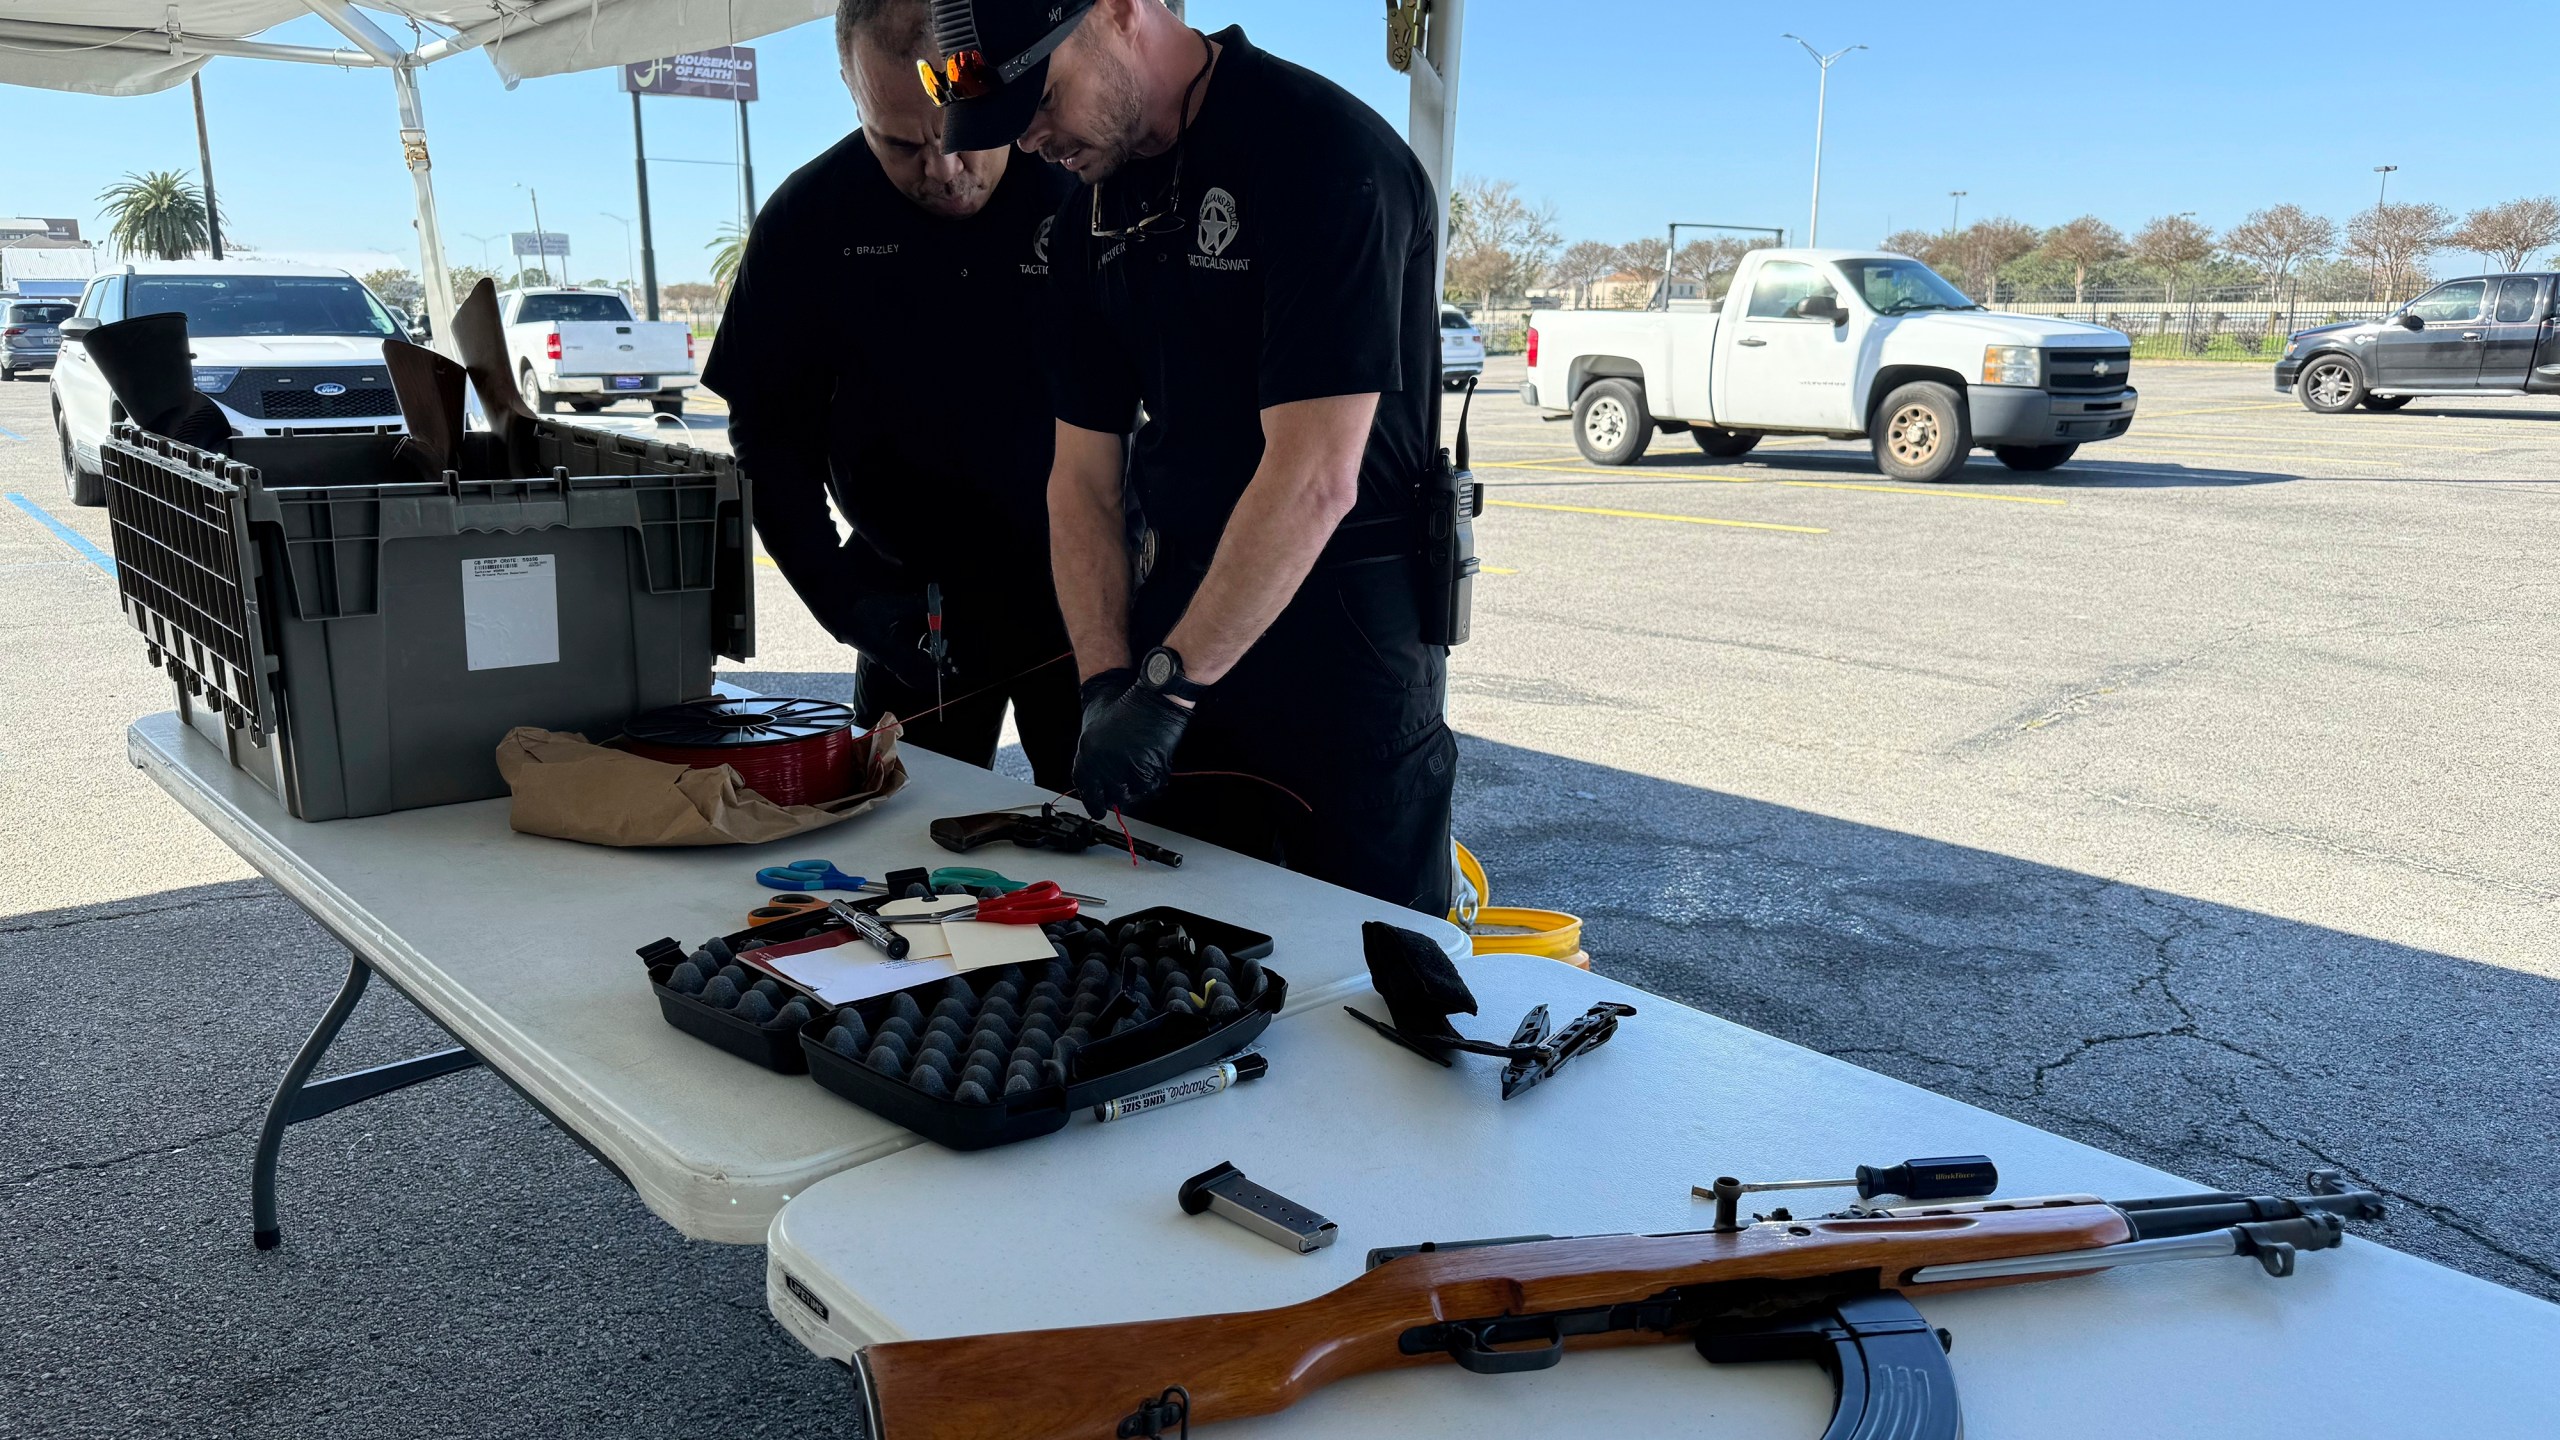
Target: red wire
972 695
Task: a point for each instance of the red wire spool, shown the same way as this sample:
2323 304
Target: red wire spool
792 752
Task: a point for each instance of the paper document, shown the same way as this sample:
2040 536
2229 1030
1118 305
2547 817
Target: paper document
510 611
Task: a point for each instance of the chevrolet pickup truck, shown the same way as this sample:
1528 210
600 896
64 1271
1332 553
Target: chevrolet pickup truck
1845 343
583 347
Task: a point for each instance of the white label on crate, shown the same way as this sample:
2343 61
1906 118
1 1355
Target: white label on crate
511 611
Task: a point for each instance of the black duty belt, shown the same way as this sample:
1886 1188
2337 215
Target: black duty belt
1355 542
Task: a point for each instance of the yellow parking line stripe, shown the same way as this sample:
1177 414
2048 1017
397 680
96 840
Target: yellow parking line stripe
767 562
1497 570
1634 477
1653 515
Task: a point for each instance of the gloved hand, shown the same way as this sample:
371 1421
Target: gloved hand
1126 751
1096 694
890 630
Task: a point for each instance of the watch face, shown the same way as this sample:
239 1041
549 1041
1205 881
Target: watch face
1160 669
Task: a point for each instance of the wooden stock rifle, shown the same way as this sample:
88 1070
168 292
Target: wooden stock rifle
1834 1289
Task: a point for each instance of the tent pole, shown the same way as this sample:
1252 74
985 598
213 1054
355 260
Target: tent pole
1433 124
204 166
431 263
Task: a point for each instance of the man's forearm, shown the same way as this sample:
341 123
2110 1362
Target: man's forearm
1308 481
1089 548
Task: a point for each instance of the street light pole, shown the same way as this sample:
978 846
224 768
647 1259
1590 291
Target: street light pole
2381 286
630 274
1821 104
1956 218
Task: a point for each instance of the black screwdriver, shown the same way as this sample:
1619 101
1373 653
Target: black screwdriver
1943 1177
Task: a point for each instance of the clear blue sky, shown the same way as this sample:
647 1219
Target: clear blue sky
1624 113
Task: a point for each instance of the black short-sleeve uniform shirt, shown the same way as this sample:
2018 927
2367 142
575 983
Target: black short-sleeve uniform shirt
895 358
1300 268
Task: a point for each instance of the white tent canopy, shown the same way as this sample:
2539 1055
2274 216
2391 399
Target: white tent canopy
136 47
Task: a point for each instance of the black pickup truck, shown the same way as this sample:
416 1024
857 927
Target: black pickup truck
2480 335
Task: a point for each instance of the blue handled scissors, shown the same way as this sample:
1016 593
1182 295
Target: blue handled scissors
809 875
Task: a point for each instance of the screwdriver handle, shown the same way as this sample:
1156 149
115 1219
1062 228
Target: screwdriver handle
1943 1177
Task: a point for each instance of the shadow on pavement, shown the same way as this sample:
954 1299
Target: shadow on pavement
2092 469
2236 1048
451 1264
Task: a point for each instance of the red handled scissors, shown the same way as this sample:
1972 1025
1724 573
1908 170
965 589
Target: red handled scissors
1038 904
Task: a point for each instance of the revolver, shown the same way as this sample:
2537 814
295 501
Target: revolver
1051 829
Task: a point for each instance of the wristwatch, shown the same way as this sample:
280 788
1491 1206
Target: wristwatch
1161 671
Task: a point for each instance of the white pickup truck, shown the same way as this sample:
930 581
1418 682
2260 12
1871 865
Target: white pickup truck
582 346
1845 343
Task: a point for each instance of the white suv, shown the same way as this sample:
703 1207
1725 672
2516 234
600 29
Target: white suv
283 350
1461 347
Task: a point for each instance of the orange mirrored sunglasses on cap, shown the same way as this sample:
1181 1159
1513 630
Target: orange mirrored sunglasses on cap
963 76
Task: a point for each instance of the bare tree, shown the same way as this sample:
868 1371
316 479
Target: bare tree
2170 246
2080 244
1583 262
2279 238
1499 242
2510 233
2395 241
1712 263
1981 248
1933 248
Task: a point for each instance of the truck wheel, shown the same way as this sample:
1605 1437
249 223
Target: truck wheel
2330 385
1922 432
542 401
86 488
1723 444
1610 423
668 407
2387 403
2033 458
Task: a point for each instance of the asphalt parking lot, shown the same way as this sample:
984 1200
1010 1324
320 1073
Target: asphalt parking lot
2192 800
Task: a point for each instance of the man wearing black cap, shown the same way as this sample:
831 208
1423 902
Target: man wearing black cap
1251 257
882 347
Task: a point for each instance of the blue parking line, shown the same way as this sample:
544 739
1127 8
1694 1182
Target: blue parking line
8 434
68 536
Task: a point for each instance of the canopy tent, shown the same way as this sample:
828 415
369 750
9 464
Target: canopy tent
136 47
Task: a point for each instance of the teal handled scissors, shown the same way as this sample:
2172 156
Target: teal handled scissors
810 875
975 878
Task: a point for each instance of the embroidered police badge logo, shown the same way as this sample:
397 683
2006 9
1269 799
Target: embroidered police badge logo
1218 223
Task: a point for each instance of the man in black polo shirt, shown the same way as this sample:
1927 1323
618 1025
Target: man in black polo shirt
882 346
1251 257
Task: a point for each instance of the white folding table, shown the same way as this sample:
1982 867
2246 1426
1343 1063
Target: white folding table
1081 1227
523 948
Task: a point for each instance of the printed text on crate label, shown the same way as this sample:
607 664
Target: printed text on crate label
510 611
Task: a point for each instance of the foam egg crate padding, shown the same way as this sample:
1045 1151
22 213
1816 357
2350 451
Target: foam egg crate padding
1010 1052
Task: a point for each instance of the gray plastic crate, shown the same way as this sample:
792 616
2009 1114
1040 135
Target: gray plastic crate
360 642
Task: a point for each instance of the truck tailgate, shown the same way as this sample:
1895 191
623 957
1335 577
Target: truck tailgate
635 347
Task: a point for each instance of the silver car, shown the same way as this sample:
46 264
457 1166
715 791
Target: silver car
1461 347
29 334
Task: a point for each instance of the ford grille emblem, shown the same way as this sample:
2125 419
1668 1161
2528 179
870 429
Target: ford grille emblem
328 387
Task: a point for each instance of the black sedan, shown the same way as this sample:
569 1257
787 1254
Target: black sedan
2481 335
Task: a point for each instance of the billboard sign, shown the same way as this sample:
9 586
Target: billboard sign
545 243
728 73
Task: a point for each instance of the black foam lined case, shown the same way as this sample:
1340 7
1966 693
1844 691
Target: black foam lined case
775 1047
1168 1044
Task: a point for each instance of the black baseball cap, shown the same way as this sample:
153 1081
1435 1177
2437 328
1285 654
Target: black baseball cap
995 65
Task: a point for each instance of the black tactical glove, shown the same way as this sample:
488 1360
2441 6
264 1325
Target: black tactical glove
1096 694
1126 752
890 631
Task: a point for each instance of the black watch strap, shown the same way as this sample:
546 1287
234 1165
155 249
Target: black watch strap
1161 670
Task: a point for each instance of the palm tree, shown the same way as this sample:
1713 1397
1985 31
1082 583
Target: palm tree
727 248
158 213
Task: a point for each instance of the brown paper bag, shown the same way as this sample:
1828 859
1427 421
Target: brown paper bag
570 789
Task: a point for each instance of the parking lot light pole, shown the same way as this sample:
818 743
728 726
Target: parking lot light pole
2381 291
1956 219
1821 103
630 274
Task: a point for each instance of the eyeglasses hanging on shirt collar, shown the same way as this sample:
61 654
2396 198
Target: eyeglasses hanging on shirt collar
1164 214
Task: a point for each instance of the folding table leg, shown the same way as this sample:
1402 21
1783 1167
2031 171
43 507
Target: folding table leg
300 1098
